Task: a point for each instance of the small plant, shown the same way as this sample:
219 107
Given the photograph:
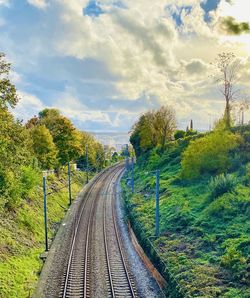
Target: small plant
221 184
248 170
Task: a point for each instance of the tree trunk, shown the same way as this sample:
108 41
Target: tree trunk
227 114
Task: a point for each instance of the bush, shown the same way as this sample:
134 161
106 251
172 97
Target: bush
222 184
179 134
29 179
209 154
234 260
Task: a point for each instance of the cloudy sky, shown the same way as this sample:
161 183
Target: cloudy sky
105 62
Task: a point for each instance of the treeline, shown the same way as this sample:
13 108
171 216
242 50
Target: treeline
211 153
47 141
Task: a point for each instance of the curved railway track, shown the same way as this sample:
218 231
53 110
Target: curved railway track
78 272
120 282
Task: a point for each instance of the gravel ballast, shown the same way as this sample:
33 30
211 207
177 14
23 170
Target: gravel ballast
51 278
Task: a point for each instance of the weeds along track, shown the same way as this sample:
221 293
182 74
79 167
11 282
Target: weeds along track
77 279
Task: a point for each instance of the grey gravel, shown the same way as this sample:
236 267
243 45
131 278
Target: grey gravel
147 287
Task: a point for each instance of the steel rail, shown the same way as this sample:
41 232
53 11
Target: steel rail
94 202
130 286
75 234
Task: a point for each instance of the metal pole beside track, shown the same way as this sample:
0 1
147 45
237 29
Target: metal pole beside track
45 213
133 176
87 163
69 183
157 204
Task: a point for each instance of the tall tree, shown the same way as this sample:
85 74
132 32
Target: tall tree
65 135
8 95
164 124
44 147
153 129
228 67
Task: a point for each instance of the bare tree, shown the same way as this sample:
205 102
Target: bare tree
242 106
228 68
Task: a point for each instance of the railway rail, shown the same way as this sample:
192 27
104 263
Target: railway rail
78 277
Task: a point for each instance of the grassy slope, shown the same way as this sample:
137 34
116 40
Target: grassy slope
22 236
206 244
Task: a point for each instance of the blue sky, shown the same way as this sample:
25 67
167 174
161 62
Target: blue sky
103 63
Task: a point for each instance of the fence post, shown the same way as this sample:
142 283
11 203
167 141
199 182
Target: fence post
69 183
45 213
157 204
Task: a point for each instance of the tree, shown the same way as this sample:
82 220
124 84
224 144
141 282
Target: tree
153 129
8 95
96 153
65 135
227 66
44 147
243 106
16 160
164 124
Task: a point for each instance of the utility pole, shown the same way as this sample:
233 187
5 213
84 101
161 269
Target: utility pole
87 163
133 176
69 183
45 213
157 204
127 160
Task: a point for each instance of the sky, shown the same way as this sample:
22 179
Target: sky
103 63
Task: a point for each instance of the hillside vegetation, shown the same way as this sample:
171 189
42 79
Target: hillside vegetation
204 206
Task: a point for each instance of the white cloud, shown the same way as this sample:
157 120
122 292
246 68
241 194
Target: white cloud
41 4
28 106
239 9
142 46
4 2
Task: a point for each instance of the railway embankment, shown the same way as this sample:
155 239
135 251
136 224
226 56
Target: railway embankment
22 235
203 246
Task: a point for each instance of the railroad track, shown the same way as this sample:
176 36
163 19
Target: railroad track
77 277
120 283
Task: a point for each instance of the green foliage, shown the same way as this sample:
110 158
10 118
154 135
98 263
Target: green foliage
96 154
221 184
15 154
234 259
22 235
154 128
30 178
191 132
204 242
179 134
209 154
44 147
65 135
8 95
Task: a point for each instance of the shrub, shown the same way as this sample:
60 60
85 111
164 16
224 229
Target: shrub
236 262
179 134
209 154
221 184
29 179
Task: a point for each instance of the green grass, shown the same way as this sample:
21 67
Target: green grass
205 241
22 236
